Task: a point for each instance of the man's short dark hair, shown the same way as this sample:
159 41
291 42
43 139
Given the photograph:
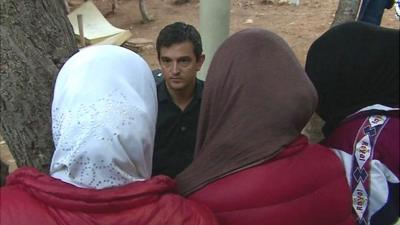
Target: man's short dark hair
179 32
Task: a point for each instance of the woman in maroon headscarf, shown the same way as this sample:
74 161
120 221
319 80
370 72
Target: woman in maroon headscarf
252 164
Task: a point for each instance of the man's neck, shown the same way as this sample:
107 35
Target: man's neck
182 98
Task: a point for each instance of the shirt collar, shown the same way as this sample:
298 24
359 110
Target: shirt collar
163 94
374 107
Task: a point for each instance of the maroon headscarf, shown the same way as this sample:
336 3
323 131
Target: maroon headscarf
257 99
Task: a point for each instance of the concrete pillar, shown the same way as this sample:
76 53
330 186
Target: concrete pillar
294 2
214 28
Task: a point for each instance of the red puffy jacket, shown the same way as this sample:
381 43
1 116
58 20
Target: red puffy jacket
33 198
303 185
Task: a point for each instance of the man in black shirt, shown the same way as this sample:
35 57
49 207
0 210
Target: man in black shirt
180 55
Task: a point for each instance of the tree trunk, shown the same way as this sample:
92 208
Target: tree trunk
3 172
36 39
143 11
347 11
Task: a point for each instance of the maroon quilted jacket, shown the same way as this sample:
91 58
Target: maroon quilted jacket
33 198
303 185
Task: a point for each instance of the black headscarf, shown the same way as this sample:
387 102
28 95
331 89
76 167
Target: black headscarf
352 66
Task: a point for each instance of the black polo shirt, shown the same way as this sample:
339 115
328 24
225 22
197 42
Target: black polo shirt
176 132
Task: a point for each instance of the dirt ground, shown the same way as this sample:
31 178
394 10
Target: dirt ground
298 25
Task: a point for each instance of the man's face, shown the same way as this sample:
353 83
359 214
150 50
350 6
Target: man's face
179 66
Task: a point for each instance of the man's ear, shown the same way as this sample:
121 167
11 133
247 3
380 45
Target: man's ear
200 61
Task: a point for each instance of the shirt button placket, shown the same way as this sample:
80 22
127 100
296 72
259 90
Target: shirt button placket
183 128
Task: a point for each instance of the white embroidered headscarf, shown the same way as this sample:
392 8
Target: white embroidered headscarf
104 116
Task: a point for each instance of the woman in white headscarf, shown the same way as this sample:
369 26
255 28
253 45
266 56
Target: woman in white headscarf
104 113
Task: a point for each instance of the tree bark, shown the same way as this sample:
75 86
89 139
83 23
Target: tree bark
36 39
143 11
3 172
347 11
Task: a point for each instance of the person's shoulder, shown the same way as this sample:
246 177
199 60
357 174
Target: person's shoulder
199 87
158 77
198 81
178 207
15 195
16 199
